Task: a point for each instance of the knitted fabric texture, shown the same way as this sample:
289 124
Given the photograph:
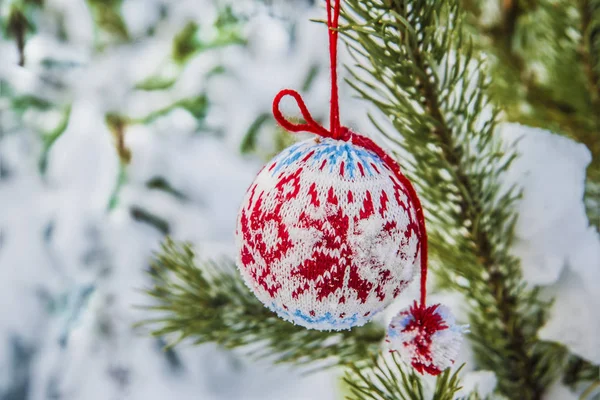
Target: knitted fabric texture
327 236
426 338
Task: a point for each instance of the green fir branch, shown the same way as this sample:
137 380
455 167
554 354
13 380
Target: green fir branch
390 380
209 302
578 371
415 63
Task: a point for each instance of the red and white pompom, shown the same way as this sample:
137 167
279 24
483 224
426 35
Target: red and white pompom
426 338
327 235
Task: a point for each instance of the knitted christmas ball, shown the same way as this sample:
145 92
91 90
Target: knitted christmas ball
327 235
426 337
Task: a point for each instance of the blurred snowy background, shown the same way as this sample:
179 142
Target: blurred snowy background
135 119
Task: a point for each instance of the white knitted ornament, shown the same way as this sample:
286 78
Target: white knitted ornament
331 231
327 236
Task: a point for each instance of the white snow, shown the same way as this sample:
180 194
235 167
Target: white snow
481 382
552 219
557 247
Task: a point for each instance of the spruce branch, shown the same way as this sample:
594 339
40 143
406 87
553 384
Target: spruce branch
209 302
421 73
578 371
389 380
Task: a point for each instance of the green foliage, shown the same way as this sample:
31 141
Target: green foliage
156 83
185 43
160 183
415 63
20 23
51 136
389 380
281 138
249 141
197 106
140 214
229 29
16 24
117 124
108 19
310 77
21 103
578 371
121 179
209 302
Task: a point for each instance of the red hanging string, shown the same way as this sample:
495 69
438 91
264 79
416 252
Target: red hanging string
332 23
333 14
338 132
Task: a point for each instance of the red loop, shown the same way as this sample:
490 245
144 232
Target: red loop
310 126
332 24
